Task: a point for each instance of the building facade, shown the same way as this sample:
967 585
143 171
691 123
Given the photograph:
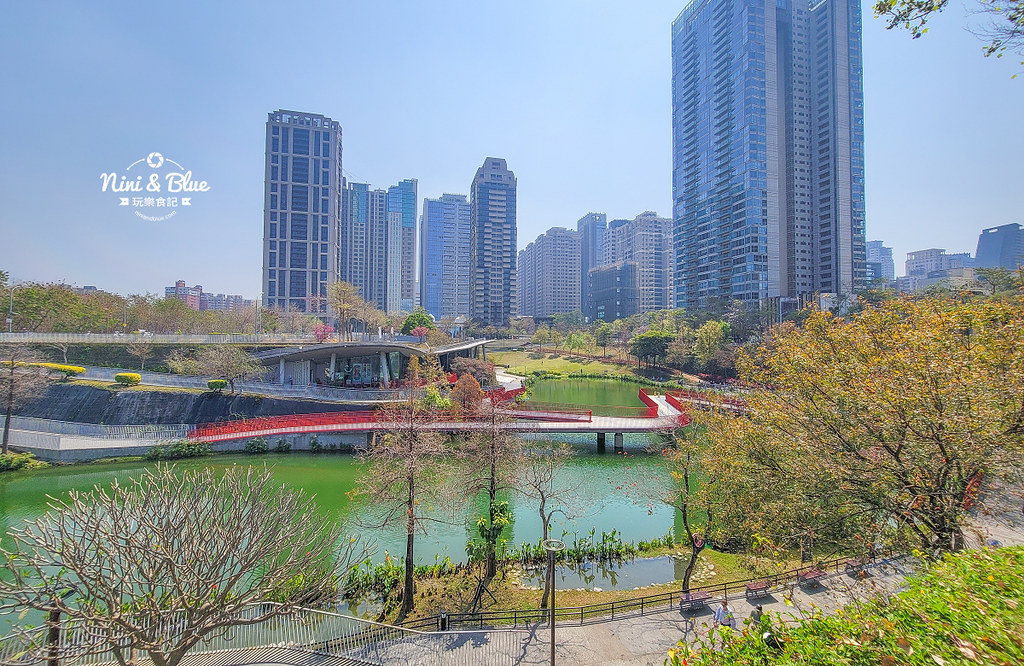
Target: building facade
444 256
548 274
1001 247
614 292
190 296
402 203
591 228
768 150
645 241
880 264
302 210
492 210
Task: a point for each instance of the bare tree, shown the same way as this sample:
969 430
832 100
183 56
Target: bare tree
141 351
406 467
20 381
541 479
492 452
227 362
344 300
173 559
62 347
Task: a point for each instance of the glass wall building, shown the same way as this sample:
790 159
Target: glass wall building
1001 247
402 202
492 242
768 150
301 211
444 256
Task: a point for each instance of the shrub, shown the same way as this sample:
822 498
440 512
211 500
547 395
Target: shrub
282 446
314 445
15 461
182 448
68 371
257 445
128 378
217 384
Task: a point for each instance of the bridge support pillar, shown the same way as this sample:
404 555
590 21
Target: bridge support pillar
280 372
600 442
618 442
334 365
483 351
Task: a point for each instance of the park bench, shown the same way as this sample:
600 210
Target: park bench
757 589
812 576
693 601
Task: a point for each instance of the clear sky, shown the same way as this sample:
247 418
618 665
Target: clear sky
575 95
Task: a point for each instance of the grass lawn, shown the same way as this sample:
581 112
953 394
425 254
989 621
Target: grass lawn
522 363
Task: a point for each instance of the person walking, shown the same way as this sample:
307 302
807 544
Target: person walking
755 615
725 616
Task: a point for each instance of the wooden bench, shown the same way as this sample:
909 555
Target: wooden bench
694 601
757 589
812 576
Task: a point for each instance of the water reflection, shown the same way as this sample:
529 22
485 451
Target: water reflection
611 575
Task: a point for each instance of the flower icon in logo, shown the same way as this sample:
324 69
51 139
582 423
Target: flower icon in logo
155 160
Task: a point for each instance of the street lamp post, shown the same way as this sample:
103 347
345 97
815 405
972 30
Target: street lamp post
552 546
10 310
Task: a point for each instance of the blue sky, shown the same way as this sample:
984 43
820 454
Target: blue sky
575 95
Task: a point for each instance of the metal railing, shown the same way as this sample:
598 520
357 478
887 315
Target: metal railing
153 432
158 338
307 630
653 603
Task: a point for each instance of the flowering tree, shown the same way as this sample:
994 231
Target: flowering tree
420 332
322 331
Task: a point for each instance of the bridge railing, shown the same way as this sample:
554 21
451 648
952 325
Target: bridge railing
154 432
312 631
157 338
652 406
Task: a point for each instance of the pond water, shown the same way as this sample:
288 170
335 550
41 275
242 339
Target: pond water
611 575
591 393
607 498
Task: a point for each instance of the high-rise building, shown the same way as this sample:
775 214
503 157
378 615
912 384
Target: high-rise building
614 291
880 264
444 256
923 262
190 296
646 241
402 203
1001 247
301 210
492 228
591 227
374 248
548 275
768 149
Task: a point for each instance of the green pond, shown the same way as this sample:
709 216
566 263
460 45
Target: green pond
607 498
596 394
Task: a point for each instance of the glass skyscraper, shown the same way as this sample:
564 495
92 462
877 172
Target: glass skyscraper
301 210
768 150
444 256
402 202
492 243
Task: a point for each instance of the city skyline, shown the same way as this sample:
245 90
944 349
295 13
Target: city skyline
592 134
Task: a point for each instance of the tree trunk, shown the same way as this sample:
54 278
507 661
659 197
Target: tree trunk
7 421
410 583
492 536
694 555
544 520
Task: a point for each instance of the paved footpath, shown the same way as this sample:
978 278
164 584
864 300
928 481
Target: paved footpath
645 640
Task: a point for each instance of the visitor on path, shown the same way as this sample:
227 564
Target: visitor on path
755 615
725 616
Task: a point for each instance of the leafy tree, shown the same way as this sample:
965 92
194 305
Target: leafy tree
708 341
172 558
650 346
418 318
556 338
344 300
21 380
603 335
541 336
227 362
482 371
574 341
1003 281
182 362
467 394
874 426
1004 32
404 473
564 322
